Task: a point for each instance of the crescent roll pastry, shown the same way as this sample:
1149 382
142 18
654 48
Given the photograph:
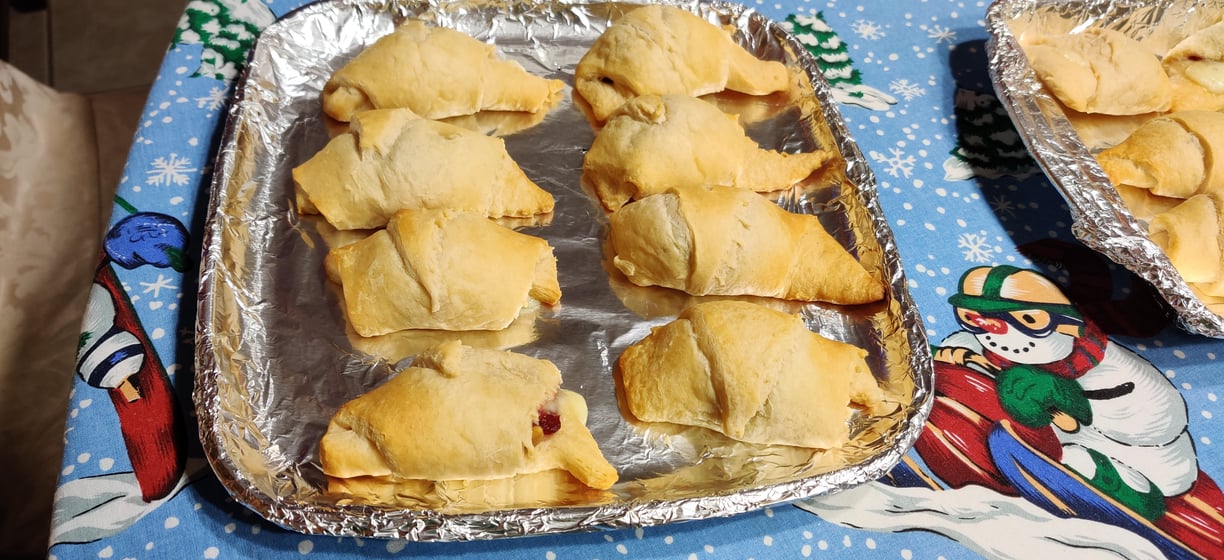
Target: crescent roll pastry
1195 67
435 72
752 373
462 413
1214 303
1100 71
1142 203
1191 237
392 160
653 143
1176 155
725 241
440 269
664 49
1099 131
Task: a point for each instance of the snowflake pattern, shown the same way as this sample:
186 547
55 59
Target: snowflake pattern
906 89
869 30
941 34
1002 206
171 170
214 100
976 247
897 163
156 287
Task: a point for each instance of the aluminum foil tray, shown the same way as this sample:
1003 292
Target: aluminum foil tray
1100 218
274 360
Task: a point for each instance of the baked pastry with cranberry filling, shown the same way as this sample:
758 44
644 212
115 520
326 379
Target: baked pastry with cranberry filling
463 414
1195 66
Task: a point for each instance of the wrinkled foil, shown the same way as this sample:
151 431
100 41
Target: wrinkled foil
274 360
1100 218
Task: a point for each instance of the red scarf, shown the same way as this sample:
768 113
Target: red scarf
1087 352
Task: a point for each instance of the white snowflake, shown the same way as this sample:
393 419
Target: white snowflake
941 34
976 247
1002 205
906 89
213 101
897 164
156 287
868 30
172 170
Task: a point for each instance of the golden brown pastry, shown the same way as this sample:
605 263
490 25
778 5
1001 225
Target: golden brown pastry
1099 131
1191 237
1100 71
664 49
392 160
752 109
1195 67
435 72
1177 155
464 414
551 488
442 269
399 345
655 302
752 373
653 143
726 241
1142 203
489 123
1209 292
1213 303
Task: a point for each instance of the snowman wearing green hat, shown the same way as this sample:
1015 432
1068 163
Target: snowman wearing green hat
1121 424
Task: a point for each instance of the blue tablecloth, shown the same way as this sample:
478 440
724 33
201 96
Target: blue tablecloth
959 192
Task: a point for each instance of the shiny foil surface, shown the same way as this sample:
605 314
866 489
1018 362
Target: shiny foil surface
275 359
1101 219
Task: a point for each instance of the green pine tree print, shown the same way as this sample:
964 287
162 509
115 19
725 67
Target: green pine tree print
833 58
988 144
827 47
227 29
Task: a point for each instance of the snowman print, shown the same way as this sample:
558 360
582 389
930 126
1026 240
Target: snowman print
1121 424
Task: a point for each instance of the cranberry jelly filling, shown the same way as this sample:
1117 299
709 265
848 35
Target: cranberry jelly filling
548 421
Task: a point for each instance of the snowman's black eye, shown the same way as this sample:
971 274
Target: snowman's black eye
1034 319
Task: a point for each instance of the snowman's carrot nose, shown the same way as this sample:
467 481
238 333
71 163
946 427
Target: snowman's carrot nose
989 324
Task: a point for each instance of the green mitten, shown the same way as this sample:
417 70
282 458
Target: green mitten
1150 504
1031 395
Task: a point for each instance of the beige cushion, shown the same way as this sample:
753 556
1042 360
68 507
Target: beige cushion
50 231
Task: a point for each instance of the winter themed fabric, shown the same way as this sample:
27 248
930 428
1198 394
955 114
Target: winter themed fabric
1115 457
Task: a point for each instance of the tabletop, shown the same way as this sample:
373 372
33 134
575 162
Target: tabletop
962 197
